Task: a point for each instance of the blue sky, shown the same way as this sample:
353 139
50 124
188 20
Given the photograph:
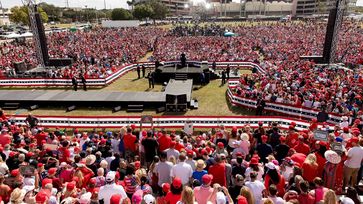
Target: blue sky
99 4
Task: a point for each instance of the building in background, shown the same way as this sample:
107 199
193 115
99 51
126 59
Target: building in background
176 7
318 7
4 16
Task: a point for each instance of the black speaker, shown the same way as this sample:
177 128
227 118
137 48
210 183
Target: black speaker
20 67
182 99
60 62
206 76
171 99
42 38
329 35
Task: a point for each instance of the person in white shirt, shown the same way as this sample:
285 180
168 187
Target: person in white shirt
272 190
111 188
190 159
353 163
344 123
256 187
182 170
163 170
171 151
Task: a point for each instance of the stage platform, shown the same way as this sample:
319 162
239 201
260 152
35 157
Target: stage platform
94 98
165 73
184 70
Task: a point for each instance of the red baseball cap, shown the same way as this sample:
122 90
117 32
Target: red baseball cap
93 181
260 123
46 181
241 200
220 144
144 133
103 141
40 165
203 152
160 134
29 154
354 140
293 124
115 199
172 143
264 138
239 154
357 121
346 129
166 187
12 154
207 179
71 186
177 182
14 172
42 196
254 160
52 171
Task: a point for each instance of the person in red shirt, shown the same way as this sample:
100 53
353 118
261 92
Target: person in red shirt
164 142
305 197
2 115
301 147
273 177
310 168
40 137
63 152
5 138
218 171
292 139
174 195
55 180
130 143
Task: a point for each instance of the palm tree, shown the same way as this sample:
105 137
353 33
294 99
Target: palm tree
131 4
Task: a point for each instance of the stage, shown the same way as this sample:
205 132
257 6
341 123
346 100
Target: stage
94 98
164 73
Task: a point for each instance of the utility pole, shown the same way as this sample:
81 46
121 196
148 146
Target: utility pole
2 13
104 2
67 3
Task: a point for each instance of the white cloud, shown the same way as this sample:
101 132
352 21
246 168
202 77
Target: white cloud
99 4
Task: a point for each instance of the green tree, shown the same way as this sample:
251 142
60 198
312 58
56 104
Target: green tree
121 14
143 11
160 10
20 15
52 11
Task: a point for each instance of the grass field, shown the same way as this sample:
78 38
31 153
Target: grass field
212 100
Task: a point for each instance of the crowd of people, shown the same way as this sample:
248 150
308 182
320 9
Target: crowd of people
197 30
264 165
97 53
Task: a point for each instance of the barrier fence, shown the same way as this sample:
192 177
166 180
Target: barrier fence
163 121
43 82
299 112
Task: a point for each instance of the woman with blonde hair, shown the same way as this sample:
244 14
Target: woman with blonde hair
247 193
187 196
310 168
17 196
172 159
330 197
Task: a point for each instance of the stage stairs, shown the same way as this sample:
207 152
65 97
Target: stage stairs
181 76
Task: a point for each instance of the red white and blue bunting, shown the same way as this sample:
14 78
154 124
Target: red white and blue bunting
43 82
162 121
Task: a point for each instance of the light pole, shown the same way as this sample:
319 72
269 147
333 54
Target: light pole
86 13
